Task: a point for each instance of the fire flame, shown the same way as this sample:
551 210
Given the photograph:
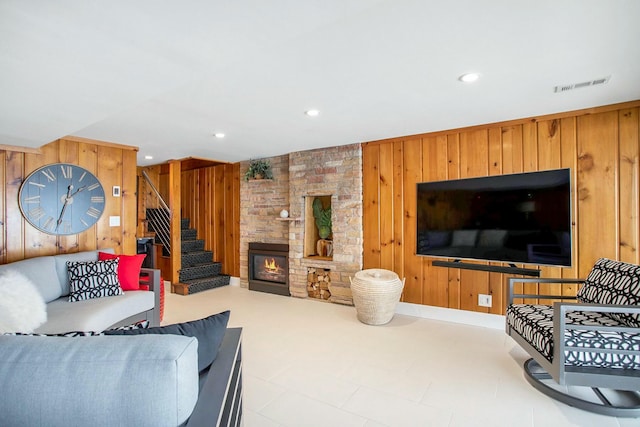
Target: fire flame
270 265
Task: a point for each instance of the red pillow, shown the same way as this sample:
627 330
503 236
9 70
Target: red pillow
128 269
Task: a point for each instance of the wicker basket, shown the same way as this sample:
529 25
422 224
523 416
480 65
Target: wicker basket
376 294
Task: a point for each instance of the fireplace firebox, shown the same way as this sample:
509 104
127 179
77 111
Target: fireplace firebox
269 268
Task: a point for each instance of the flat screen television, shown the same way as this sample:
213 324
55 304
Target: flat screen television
517 218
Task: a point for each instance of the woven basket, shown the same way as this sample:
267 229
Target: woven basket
376 294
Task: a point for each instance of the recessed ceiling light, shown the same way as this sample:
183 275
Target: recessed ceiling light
469 77
148 157
312 113
219 135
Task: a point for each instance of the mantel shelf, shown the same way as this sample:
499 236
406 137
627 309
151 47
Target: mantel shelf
289 219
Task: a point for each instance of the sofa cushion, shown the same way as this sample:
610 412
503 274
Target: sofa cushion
41 271
464 238
613 282
61 266
128 269
150 380
209 332
94 314
93 279
492 238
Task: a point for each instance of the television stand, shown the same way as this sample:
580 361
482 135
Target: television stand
512 269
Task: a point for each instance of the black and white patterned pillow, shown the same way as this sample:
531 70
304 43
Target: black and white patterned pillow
142 324
613 282
93 279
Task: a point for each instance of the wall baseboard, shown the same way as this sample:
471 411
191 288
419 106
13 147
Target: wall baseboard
485 320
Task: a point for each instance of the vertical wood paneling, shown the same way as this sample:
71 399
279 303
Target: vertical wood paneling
370 205
129 201
413 264
549 157
398 208
497 281
453 172
109 172
600 147
14 223
386 207
597 188
629 178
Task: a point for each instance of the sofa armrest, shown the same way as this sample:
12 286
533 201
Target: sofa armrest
220 399
151 277
511 281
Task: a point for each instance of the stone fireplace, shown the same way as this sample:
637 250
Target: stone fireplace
334 175
269 268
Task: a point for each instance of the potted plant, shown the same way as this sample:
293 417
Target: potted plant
258 169
322 216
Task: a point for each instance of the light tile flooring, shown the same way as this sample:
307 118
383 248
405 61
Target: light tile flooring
309 363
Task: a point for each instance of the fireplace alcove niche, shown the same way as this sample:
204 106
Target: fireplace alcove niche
269 268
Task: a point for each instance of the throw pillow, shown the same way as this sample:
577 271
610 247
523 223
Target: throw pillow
22 308
93 279
128 269
209 332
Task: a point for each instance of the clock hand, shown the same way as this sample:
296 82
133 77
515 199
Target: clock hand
66 202
78 190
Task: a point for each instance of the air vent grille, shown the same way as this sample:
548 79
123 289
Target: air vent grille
595 82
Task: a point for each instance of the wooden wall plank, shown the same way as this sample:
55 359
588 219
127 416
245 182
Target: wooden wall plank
398 208
386 205
549 157
15 224
629 185
109 172
129 202
370 205
453 172
597 188
413 264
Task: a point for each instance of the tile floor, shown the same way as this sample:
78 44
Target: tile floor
309 363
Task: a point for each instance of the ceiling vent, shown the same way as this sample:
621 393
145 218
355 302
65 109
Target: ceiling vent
564 88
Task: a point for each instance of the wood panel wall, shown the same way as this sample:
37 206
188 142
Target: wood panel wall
600 145
113 165
211 201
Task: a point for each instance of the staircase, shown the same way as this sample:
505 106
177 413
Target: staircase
198 271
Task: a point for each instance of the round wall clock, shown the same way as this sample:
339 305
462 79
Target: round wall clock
61 199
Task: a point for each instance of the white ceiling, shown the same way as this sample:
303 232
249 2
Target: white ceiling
165 75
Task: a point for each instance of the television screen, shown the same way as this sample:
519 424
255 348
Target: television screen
517 218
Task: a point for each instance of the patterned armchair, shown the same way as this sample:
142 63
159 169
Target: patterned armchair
593 342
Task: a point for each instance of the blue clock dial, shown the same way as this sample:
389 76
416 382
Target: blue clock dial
61 199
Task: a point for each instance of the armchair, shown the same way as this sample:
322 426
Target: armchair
591 341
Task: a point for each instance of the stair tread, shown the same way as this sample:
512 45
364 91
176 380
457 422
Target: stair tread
203 279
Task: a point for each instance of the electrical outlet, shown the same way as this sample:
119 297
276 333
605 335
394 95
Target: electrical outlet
484 300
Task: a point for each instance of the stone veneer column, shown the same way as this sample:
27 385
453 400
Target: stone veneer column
335 171
260 204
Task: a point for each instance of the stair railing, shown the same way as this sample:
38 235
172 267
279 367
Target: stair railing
159 218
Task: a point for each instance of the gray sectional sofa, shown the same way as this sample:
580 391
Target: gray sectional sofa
49 274
188 374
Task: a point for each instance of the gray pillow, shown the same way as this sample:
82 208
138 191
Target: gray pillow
209 332
492 238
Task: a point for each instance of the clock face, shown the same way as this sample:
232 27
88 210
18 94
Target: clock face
61 199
